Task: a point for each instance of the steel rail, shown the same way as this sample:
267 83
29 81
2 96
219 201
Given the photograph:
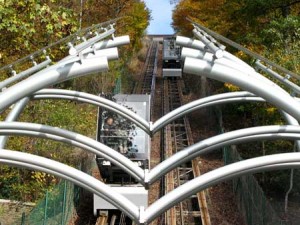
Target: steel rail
116 42
217 51
294 87
75 50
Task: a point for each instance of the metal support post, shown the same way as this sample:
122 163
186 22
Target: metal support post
13 116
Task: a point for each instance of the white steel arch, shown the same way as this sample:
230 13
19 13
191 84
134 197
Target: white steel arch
201 103
149 177
150 128
51 76
218 71
258 164
55 133
216 142
78 177
145 216
95 100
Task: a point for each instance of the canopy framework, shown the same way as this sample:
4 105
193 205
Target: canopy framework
205 57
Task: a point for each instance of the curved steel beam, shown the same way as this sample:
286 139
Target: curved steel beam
210 144
229 61
25 73
279 161
71 142
259 164
140 122
54 133
29 161
219 141
13 116
218 71
95 100
194 48
50 76
201 103
218 99
291 121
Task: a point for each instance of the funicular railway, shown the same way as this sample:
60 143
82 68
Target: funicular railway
148 78
181 200
178 136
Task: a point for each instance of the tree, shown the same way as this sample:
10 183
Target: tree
29 25
282 40
262 7
135 16
215 15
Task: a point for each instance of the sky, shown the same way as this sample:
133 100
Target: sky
161 13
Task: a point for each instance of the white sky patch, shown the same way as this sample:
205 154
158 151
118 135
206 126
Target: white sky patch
161 13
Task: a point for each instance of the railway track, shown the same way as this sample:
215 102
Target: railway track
178 136
146 84
175 137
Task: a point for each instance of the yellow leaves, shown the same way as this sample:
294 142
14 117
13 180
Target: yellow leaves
231 87
42 178
271 110
240 54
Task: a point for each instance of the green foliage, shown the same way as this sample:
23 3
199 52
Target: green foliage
256 8
282 32
136 23
19 184
135 17
282 40
29 25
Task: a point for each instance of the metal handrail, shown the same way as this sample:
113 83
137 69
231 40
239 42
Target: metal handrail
63 40
245 50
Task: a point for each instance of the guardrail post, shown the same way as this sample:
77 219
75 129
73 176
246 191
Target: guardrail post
64 203
45 209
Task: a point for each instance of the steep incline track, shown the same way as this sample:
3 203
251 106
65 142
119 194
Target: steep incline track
177 136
